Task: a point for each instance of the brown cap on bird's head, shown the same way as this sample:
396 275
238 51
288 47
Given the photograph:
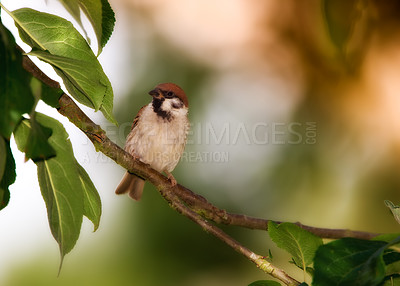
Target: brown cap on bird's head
169 90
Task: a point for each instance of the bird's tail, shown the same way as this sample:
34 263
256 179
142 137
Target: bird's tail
131 184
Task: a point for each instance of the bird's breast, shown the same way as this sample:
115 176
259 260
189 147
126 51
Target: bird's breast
157 142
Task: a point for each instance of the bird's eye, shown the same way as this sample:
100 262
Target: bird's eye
169 94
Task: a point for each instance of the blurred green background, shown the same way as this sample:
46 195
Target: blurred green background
295 112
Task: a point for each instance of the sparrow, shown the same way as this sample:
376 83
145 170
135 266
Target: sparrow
158 136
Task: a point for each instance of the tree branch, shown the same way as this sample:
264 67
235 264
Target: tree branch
211 212
103 144
183 200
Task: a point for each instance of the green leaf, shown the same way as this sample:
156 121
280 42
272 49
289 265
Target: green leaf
264 283
15 95
63 202
91 198
61 190
8 176
49 95
3 156
21 134
388 237
391 256
73 8
340 18
108 22
350 261
393 280
32 138
394 209
100 15
392 270
300 243
38 147
57 42
66 187
83 85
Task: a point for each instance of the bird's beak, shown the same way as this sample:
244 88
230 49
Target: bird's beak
155 93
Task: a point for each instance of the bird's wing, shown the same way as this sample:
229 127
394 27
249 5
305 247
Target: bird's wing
136 120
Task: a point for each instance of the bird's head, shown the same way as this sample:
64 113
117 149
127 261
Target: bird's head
169 100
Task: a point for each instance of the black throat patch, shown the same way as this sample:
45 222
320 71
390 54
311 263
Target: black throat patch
157 109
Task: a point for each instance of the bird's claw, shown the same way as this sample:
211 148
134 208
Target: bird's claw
171 179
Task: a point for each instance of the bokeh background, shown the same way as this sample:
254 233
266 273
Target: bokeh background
295 112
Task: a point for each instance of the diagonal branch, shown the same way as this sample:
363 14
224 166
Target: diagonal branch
103 144
260 261
183 200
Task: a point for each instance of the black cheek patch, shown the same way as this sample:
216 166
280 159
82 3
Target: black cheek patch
157 102
157 109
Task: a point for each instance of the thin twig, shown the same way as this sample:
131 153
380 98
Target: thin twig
209 211
170 195
36 72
